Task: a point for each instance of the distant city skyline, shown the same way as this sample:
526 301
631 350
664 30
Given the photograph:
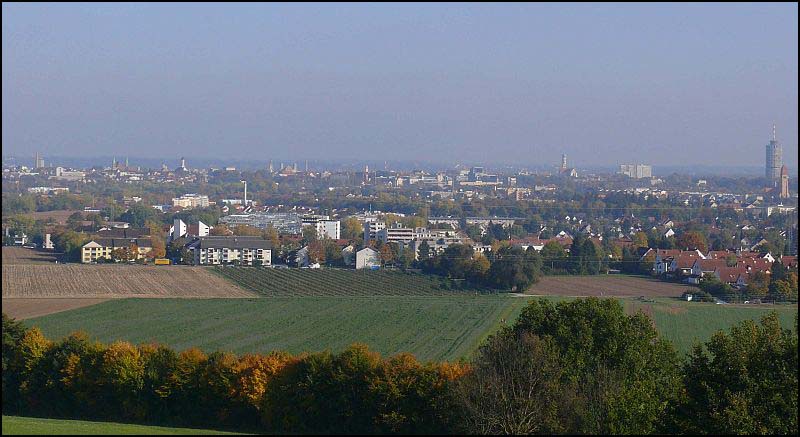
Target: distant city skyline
663 85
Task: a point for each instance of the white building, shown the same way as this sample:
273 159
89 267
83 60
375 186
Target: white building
371 230
367 258
636 171
326 228
246 251
188 201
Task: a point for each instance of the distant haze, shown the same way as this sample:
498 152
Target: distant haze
664 84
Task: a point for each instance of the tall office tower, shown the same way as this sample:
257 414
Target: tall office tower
563 162
271 168
774 161
784 182
39 161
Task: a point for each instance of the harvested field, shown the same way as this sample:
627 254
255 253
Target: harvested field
22 308
23 255
605 285
114 281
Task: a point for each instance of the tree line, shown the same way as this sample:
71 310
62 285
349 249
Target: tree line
577 367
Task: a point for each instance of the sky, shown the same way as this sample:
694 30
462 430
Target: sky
471 83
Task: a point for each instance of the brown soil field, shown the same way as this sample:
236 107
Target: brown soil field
605 285
114 281
23 255
21 308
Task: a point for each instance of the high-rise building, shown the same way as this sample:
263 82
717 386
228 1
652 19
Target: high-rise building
563 162
39 161
784 182
774 161
636 171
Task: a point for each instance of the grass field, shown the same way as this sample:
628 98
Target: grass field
337 282
15 425
684 323
432 328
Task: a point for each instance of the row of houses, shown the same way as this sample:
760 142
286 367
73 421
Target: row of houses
734 268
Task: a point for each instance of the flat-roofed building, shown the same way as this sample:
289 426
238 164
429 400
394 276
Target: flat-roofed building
244 250
189 201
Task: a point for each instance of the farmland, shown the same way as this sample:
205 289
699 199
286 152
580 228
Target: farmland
15 425
338 282
687 322
24 308
605 285
432 328
22 255
113 281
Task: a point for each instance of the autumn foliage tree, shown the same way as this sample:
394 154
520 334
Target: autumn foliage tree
692 240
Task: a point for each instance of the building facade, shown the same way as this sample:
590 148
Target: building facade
636 171
246 251
191 201
103 248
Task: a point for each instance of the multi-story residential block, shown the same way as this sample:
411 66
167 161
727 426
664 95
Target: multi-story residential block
103 247
246 251
188 201
326 228
371 230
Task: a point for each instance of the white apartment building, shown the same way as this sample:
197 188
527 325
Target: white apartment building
326 228
246 251
371 230
190 201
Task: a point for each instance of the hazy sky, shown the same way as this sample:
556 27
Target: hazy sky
669 84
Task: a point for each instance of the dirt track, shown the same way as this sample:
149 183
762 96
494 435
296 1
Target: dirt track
605 285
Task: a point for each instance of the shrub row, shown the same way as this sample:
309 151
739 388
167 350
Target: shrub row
355 391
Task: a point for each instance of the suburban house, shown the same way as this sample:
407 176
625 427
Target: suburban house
247 251
367 258
702 267
681 265
103 247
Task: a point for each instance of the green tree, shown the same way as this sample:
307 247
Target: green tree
741 382
757 285
515 387
625 374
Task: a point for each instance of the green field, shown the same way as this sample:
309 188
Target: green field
339 282
685 323
36 426
432 328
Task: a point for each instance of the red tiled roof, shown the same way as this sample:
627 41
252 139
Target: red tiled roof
709 265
